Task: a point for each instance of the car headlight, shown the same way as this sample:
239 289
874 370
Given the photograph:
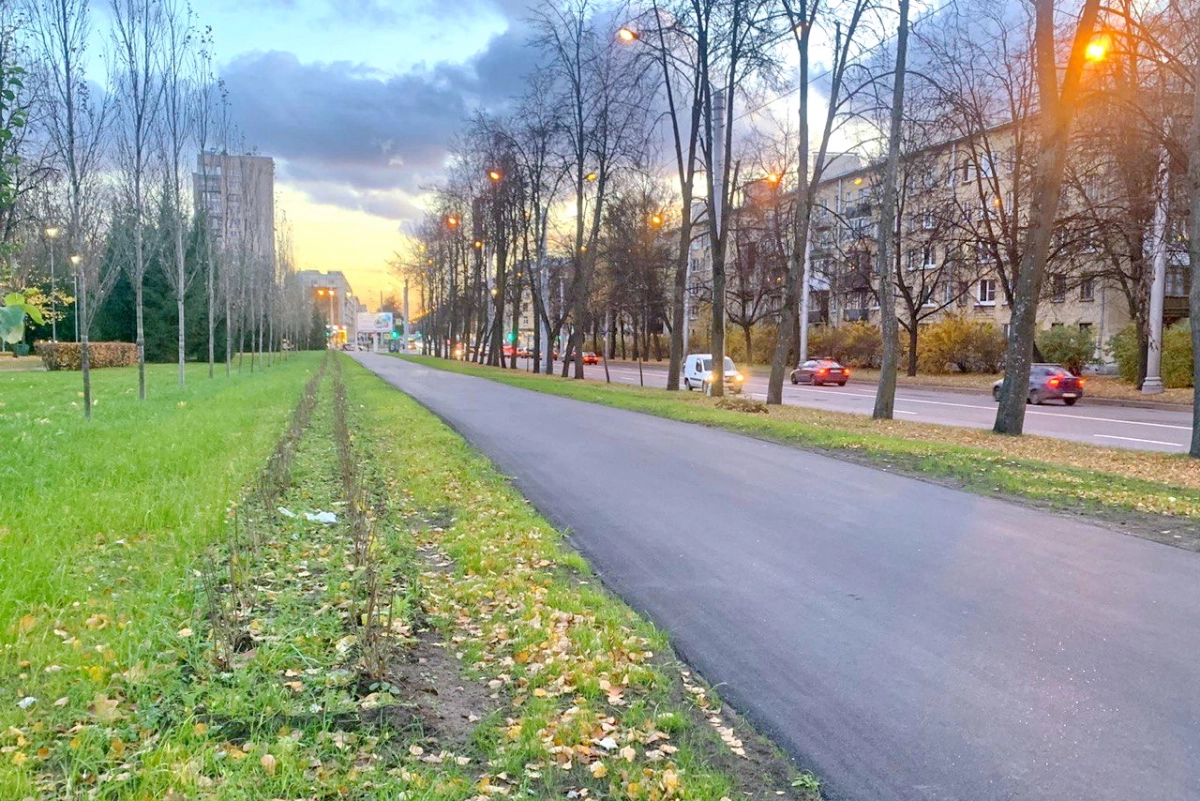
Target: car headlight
739 377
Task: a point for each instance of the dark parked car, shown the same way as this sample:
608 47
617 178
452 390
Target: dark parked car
821 371
1049 382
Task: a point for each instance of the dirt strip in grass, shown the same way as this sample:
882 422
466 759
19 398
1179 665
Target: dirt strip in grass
1153 495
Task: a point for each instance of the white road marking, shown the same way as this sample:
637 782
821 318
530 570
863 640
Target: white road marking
1133 439
1111 420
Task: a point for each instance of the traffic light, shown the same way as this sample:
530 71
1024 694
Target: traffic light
395 334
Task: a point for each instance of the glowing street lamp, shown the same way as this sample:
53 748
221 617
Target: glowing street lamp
495 176
628 35
1097 49
452 221
773 179
656 220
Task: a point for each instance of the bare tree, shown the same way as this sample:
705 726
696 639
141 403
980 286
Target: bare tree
1057 108
844 21
177 129
1193 153
137 84
885 394
76 127
605 98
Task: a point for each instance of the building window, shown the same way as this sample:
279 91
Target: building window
963 293
1006 328
987 292
947 293
929 221
1085 328
929 257
1177 281
1058 288
1087 289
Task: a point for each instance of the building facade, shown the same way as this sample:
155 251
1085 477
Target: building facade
334 299
236 195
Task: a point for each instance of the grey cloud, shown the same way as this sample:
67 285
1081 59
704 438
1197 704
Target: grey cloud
352 125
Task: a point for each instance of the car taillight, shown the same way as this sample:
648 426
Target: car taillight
1054 382
846 372
1080 380
823 370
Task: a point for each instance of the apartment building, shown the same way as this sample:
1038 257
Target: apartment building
237 197
961 229
334 297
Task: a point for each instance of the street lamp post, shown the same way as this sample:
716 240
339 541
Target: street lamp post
75 260
52 234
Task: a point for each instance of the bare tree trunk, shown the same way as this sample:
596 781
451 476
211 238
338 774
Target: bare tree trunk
1058 109
885 393
1194 248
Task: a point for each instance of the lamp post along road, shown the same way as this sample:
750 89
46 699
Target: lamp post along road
1152 384
52 234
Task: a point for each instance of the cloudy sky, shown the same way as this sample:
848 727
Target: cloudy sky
357 100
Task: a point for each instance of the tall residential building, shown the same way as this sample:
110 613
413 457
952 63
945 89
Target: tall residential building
237 196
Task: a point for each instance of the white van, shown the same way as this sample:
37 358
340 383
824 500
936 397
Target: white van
697 373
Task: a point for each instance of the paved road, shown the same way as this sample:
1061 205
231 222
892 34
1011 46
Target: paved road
1114 426
911 642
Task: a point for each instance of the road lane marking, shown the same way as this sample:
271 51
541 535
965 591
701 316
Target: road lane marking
1134 439
1111 420
1058 415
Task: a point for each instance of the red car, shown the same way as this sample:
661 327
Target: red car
590 358
819 372
509 351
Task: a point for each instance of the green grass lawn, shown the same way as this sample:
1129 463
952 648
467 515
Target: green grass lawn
169 631
156 475
1153 494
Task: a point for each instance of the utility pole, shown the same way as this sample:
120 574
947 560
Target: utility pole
406 325
1153 385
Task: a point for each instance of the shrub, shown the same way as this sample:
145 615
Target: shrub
858 344
1124 347
1176 367
67 355
965 345
1071 347
1177 355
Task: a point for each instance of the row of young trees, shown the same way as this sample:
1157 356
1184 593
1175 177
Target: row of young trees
99 182
646 139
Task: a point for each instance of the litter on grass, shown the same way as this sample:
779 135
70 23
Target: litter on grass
328 518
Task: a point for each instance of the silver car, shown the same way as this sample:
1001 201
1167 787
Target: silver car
1049 382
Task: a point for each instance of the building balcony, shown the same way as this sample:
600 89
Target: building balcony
855 315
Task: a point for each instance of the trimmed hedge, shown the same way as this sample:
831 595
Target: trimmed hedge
67 355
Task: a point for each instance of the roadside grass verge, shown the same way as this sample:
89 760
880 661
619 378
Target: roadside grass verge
589 702
1151 494
350 603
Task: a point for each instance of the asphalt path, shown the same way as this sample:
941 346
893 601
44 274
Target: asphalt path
1113 426
906 641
